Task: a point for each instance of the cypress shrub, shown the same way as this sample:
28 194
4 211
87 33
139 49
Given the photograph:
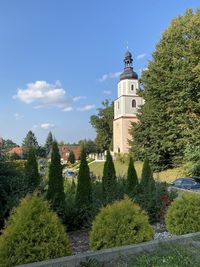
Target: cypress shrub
83 198
55 193
33 233
31 171
71 157
118 224
109 184
132 179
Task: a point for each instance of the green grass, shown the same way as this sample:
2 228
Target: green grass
121 169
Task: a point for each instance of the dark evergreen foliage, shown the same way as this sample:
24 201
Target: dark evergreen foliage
29 142
71 157
55 193
169 119
84 189
31 172
132 179
109 186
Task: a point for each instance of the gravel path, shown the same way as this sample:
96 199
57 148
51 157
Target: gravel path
80 239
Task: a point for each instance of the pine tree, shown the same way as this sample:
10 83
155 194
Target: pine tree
31 171
84 188
71 157
48 144
132 179
109 185
170 117
55 193
147 182
29 142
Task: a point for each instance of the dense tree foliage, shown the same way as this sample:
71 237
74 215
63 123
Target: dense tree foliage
29 142
170 117
33 233
109 186
48 144
31 171
12 187
84 188
103 124
55 193
89 145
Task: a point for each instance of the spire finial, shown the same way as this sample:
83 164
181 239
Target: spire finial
127 45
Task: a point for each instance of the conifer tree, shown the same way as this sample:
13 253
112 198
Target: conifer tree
55 193
84 189
30 141
48 144
71 157
109 185
132 179
147 183
31 171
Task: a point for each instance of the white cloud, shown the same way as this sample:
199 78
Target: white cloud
67 109
86 108
44 126
76 98
110 75
18 116
44 94
140 56
107 92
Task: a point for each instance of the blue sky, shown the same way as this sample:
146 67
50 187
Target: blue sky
59 59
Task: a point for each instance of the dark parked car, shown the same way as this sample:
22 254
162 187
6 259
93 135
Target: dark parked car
187 183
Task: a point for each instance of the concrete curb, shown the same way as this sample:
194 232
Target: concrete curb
107 255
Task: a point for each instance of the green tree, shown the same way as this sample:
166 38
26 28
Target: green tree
132 179
103 124
83 196
109 184
55 193
71 157
33 233
89 145
29 141
31 171
48 144
170 117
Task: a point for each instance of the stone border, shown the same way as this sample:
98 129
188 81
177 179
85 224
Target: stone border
107 255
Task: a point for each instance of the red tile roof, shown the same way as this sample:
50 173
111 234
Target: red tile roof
16 150
65 149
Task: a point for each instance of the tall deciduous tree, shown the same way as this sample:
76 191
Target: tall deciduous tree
84 188
48 144
132 179
170 117
55 193
31 171
103 124
29 142
109 185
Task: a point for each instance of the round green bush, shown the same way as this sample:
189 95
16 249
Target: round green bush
33 233
118 224
183 216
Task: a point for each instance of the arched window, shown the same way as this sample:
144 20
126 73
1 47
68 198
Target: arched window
132 87
133 103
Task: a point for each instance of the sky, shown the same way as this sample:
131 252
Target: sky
59 59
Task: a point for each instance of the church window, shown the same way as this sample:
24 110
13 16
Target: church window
133 103
118 105
132 87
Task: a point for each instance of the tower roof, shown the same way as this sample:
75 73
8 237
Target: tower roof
128 72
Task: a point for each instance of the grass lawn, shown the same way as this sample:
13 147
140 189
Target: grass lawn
121 170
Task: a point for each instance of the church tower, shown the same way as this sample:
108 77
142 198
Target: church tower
125 106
